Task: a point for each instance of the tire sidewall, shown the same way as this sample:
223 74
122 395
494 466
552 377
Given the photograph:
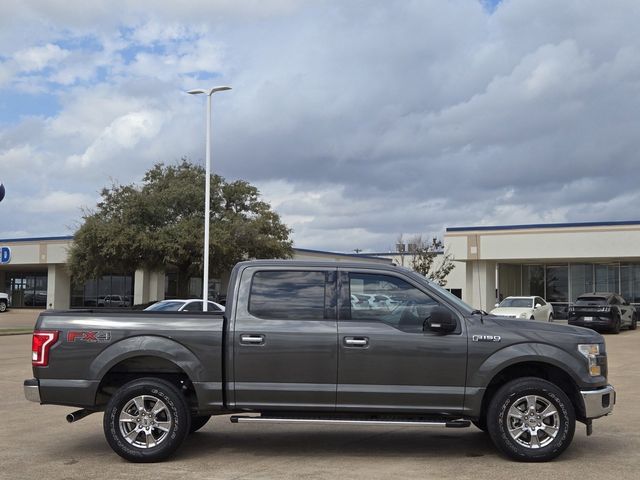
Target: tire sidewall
3 306
504 399
175 402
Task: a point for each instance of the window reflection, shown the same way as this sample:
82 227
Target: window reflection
288 295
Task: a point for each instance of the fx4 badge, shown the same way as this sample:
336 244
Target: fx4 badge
486 338
89 336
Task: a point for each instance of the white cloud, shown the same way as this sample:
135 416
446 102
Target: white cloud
37 58
123 134
59 202
358 120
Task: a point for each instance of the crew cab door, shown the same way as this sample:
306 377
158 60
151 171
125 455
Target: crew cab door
285 339
386 361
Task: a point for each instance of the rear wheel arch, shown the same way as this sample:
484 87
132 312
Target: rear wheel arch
142 366
138 357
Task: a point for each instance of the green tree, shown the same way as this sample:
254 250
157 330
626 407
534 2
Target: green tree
160 222
425 261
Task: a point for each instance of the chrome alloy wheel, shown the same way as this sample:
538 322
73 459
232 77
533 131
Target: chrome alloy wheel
533 421
145 421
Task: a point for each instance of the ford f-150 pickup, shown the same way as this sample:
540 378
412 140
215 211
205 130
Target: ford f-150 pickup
294 346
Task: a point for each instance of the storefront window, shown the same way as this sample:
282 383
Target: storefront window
630 282
581 280
27 289
108 291
533 280
607 278
558 283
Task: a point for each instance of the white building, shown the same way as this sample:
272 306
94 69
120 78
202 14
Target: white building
33 272
555 261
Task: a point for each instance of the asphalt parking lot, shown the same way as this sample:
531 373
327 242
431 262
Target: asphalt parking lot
37 442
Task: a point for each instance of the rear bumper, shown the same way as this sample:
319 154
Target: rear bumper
32 390
73 393
598 403
596 322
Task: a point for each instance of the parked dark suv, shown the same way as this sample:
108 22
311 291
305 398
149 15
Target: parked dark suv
603 311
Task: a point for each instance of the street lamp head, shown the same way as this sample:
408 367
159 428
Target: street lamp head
209 92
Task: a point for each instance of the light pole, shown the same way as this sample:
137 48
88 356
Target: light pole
207 194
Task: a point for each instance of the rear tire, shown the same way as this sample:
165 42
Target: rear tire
531 420
634 322
146 420
198 421
616 325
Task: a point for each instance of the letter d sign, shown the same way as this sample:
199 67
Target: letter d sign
5 255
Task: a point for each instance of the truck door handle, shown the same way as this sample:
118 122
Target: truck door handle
356 341
251 339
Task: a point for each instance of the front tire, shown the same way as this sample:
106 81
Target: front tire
531 420
146 420
3 306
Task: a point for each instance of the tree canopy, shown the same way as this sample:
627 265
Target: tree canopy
425 261
160 222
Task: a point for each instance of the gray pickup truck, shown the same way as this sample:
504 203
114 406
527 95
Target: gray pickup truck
299 344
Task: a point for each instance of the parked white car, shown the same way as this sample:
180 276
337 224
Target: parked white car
191 305
4 302
530 308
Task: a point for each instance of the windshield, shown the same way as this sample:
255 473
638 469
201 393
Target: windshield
165 307
517 303
591 301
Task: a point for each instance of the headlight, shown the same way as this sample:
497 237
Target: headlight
591 352
524 315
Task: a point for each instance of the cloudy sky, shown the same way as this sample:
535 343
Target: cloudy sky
358 120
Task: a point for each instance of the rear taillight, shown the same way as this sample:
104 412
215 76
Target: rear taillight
40 346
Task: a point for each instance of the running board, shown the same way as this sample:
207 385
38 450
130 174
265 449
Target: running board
335 421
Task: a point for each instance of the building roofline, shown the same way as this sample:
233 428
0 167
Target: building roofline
324 252
542 225
37 239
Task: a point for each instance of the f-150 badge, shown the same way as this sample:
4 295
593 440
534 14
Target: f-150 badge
486 338
89 336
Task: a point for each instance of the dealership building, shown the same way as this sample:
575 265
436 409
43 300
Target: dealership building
33 272
555 261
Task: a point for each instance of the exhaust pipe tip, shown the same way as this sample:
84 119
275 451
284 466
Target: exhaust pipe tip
78 415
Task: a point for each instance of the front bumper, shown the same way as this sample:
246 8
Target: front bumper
32 390
598 403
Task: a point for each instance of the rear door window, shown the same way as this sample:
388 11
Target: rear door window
288 295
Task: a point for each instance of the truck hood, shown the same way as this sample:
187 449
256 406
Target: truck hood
532 330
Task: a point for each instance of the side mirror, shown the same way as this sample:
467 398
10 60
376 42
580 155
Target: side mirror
538 305
497 305
441 320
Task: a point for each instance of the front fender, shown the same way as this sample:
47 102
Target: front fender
482 371
576 368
